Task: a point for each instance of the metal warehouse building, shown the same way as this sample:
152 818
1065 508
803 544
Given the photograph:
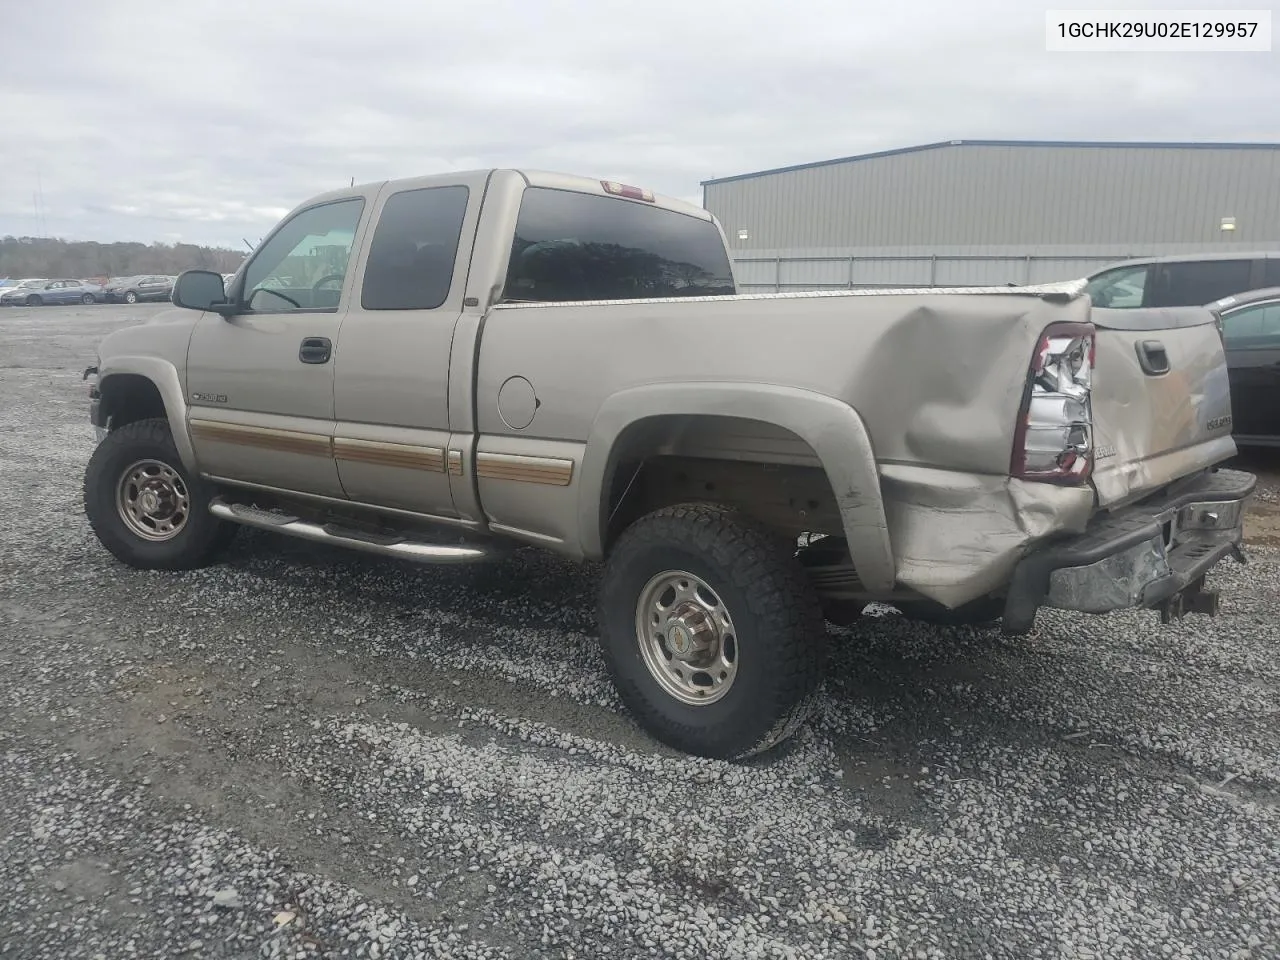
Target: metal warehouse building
994 212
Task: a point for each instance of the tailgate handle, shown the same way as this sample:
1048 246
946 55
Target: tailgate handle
1153 358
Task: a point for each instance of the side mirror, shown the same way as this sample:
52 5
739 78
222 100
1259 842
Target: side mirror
201 290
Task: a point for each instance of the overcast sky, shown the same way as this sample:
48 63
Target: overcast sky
204 120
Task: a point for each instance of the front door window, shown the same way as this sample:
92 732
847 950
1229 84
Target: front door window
302 266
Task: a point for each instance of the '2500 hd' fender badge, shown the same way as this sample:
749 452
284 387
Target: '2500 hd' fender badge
208 398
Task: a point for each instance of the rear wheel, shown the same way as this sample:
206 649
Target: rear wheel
130 297
711 631
145 507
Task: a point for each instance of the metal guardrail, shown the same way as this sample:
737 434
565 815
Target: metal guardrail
850 281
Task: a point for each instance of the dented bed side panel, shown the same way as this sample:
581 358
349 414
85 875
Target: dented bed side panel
958 536
936 377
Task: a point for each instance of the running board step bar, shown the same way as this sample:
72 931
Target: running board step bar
388 546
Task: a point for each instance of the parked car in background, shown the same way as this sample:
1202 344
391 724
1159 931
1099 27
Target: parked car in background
1250 326
138 289
1184 280
38 293
8 283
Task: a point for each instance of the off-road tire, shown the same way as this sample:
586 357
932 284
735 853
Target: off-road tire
982 612
781 642
202 536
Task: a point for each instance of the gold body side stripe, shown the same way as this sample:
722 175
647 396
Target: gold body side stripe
553 471
268 438
383 454
509 466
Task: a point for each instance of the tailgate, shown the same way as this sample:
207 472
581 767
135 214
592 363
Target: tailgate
1161 401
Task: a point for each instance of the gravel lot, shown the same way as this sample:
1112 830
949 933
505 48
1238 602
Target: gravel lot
304 753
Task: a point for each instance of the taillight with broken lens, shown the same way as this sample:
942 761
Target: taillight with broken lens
1053 441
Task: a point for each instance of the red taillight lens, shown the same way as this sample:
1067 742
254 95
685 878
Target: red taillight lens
1053 441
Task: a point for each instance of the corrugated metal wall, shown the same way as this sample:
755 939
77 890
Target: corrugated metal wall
994 213
780 270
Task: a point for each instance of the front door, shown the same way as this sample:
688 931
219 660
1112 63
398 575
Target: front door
260 384
1252 337
392 437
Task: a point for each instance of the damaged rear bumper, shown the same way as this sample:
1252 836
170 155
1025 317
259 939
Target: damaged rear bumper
1153 555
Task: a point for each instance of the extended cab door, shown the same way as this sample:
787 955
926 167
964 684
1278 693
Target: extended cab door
393 439
1252 337
260 384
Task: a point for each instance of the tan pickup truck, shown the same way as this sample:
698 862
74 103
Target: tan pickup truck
441 368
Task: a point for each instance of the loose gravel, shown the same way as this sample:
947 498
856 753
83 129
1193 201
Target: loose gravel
307 753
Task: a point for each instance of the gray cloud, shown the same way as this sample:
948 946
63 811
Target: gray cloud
205 120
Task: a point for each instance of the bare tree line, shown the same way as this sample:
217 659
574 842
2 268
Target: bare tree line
49 257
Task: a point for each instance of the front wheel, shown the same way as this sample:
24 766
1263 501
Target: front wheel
34 301
130 297
711 631
145 507
87 299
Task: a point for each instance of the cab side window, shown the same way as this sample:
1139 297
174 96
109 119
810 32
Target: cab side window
1253 327
414 247
1271 272
301 267
1194 283
573 246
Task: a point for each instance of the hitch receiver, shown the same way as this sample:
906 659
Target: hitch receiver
1193 599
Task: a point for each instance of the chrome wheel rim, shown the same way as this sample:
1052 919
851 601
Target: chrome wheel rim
153 501
687 638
